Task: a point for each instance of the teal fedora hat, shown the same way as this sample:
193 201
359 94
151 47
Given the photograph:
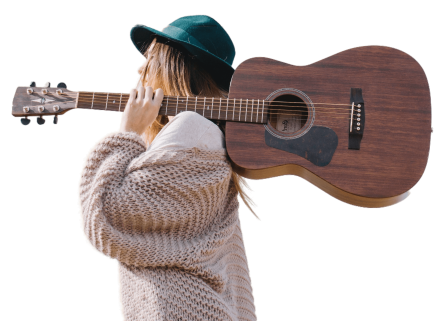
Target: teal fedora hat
201 36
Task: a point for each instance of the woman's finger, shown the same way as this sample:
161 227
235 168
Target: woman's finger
132 96
148 94
140 94
158 97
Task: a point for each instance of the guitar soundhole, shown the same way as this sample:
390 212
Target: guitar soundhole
288 115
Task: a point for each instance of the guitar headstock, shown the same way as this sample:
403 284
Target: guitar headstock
42 101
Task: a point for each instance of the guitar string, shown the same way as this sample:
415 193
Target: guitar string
109 96
236 106
230 111
237 109
223 108
231 108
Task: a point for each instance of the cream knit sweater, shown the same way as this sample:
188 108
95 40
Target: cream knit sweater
170 217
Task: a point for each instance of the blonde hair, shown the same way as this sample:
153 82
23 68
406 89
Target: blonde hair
172 69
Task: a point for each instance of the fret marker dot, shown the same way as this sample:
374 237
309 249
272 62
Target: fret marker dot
113 101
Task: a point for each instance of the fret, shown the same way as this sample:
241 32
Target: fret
220 103
226 113
212 103
107 101
167 103
240 110
195 106
234 107
204 100
262 115
92 100
186 103
176 106
246 107
257 112
121 96
252 102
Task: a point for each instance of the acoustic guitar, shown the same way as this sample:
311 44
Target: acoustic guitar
356 124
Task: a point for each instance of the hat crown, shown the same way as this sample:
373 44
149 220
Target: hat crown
209 33
200 36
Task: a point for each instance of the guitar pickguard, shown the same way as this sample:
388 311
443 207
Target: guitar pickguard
317 145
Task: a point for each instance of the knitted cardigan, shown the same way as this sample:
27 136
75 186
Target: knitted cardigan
171 219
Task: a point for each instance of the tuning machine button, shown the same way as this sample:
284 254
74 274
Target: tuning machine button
47 84
56 118
25 121
61 85
32 84
40 120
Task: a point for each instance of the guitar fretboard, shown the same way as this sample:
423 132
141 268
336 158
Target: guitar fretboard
241 110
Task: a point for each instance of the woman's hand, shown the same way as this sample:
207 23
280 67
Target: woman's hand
141 110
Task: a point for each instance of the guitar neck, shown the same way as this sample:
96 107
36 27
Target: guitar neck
241 110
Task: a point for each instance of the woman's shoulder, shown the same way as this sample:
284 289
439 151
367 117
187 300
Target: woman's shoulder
189 130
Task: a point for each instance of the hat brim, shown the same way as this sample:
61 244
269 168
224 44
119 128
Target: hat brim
219 69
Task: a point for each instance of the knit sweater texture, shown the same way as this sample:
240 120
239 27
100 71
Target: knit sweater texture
170 217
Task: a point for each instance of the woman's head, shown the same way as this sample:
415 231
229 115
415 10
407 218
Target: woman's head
172 69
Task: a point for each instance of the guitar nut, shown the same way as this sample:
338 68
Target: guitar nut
41 108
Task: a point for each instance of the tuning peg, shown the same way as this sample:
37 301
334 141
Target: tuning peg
55 119
25 121
61 85
33 84
40 120
47 84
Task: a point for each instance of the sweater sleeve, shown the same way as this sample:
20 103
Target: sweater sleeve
151 209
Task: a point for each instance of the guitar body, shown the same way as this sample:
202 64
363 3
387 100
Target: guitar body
396 124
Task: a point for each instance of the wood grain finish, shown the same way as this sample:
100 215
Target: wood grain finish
396 138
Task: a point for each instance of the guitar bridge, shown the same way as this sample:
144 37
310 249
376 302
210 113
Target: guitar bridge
357 119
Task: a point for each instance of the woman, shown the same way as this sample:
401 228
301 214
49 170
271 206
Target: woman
168 213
